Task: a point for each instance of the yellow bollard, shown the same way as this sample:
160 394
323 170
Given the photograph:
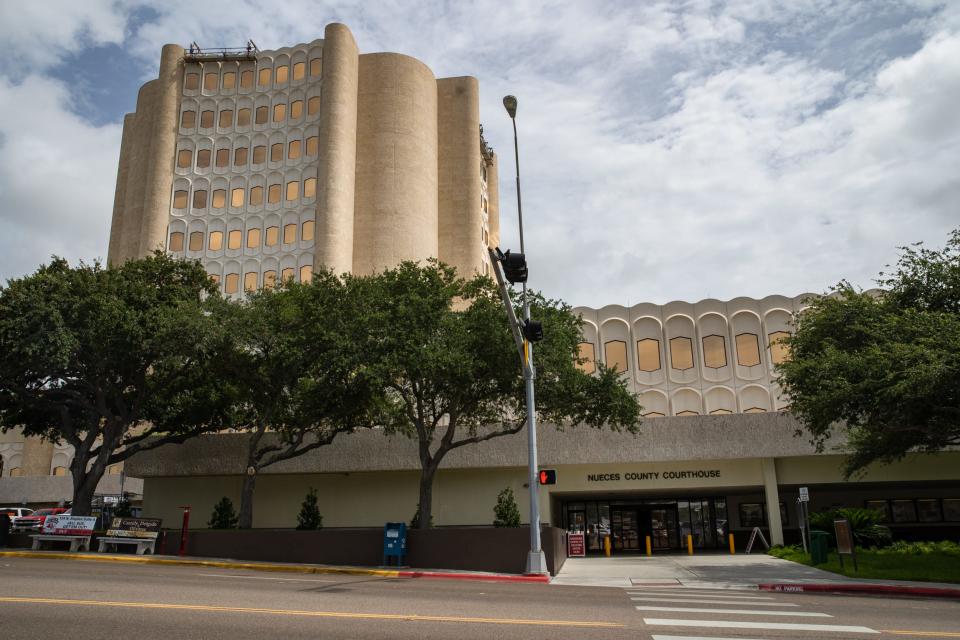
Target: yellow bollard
733 549
649 548
690 544
606 545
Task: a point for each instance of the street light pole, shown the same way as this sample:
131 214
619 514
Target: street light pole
536 561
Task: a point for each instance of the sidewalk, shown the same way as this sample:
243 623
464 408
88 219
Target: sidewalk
224 563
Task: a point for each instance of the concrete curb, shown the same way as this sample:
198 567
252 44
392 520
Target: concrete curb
863 588
281 568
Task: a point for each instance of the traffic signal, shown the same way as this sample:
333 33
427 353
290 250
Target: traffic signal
548 476
532 330
514 267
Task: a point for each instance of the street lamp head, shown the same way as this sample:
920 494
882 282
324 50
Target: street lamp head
510 102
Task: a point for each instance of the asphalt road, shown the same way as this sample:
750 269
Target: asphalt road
54 599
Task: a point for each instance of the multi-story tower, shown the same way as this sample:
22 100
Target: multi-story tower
265 164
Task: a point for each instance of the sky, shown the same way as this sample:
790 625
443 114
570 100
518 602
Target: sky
674 150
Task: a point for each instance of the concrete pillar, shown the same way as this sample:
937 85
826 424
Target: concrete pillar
336 171
493 200
458 138
115 249
163 144
138 152
37 454
772 494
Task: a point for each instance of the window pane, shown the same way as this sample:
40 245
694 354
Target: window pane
236 197
188 119
200 199
279 112
192 81
184 158
951 509
219 198
587 353
179 199
176 241
273 236
615 354
312 145
882 506
306 273
929 510
263 79
289 233
648 354
681 353
216 241
720 412
240 157
203 158
779 352
210 81
250 281
215 278
261 116
223 157
226 118
748 350
714 352
196 241
283 74
259 154
315 67
286 274
687 413
752 515
903 510
299 70
276 152
246 79
293 150
206 119
253 238
233 239
229 79
256 195
310 188
306 231
269 279
243 117
293 191
296 109
313 105
233 281
273 194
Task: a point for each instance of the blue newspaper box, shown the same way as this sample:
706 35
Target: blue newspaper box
394 541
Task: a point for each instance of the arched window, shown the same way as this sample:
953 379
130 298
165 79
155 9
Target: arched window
615 354
60 471
273 194
312 143
191 81
115 469
234 239
269 279
306 231
223 157
210 81
272 238
176 241
263 79
306 273
293 150
184 158
203 158
718 412
253 238
287 274
587 354
250 281
688 413
260 116
206 119
313 105
296 109
648 354
779 350
289 234
180 199
310 188
256 195
236 197
279 112
216 241
246 79
219 198
240 157
748 350
16 472
283 74
196 241
653 414
681 354
276 152
226 118
315 67
188 119
200 199
243 117
299 70
232 283
714 352
229 80
293 190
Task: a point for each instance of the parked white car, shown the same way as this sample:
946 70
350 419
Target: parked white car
16 512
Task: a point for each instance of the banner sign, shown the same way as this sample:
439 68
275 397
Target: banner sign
147 528
576 547
69 525
844 536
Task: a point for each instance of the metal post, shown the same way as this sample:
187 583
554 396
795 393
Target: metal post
184 530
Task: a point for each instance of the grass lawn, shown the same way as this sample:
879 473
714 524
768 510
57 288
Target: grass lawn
930 567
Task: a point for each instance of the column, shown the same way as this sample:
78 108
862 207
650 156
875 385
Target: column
772 494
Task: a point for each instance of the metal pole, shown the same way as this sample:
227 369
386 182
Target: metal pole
536 560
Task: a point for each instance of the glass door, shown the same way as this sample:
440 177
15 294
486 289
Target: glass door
663 528
625 529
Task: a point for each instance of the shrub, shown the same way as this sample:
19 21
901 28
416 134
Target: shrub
901 547
865 524
506 513
309 517
223 517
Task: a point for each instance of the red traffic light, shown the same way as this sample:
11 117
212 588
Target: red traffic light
548 476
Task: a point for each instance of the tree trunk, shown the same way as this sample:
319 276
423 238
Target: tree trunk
426 495
84 486
246 501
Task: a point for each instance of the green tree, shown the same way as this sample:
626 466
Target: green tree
296 373
444 352
505 512
309 517
882 368
224 516
112 361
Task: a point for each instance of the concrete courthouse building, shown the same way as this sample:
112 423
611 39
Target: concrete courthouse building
265 164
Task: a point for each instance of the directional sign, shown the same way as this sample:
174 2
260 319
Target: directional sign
804 494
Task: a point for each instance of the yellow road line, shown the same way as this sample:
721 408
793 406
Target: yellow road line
925 634
313 614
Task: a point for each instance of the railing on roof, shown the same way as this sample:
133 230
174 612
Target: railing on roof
196 53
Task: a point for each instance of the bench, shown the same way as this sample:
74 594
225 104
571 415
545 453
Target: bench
77 543
144 545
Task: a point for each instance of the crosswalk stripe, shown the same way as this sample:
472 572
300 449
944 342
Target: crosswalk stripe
658 637
709 601
781 626
696 595
743 612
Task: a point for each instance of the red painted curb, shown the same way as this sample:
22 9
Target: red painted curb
876 589
474 576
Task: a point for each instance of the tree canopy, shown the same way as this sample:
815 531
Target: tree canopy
883 367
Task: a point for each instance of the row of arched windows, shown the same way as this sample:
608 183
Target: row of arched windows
252 280
240 156
289 193
231 78
236 239
228 116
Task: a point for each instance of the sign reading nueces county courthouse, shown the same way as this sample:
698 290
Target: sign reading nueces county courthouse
686 474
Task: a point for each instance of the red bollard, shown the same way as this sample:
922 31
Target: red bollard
184 530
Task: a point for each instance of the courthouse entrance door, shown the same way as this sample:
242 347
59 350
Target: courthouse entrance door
625 528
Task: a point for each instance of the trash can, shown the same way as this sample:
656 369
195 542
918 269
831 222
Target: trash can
819 540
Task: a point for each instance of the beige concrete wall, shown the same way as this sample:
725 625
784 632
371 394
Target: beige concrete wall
338 150
460 215
493 197
828 469
37 454
137 157
115 249
396 177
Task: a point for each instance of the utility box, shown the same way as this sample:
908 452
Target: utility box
819 541
395 542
